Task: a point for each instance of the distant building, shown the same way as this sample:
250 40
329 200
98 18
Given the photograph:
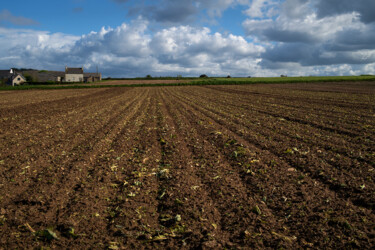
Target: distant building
43 75
92 77
11 77
74 74
17 79
78 75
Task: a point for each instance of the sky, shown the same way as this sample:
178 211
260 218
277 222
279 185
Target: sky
135 38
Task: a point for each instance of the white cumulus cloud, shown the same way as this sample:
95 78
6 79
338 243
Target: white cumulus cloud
132 50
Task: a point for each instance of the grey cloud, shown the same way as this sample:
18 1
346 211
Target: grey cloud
326 33
167 12
355 39
313 55
295 8
268 30
177 12
366 8
288 36
7 16
289 52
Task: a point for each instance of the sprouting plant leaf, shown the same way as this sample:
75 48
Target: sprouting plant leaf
178 201
162 141
70 233
46 234
113 245
177 218
137 183
27 225
159 238
257 210
289 151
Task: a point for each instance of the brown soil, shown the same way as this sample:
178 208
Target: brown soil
131 82
260 166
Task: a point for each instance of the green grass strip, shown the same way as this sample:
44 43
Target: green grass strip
209 81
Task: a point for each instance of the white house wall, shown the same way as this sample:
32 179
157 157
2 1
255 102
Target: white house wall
18 80
74 77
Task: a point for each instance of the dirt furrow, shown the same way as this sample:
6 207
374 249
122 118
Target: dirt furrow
55 128
301 135
53 192
283 131
259 225
185 190
294 95
296 116
189 167
338 180
132 215
309 105
300 188
70 151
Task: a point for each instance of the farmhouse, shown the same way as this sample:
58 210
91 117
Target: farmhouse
11 77
44 76
78 75
74 74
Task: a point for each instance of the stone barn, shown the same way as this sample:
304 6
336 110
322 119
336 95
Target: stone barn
74 74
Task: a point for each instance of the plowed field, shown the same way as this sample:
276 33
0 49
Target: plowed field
256 166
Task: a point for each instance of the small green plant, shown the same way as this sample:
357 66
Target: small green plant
47 234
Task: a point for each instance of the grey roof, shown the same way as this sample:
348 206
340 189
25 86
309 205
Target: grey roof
74 70
49 76
44 76
5 73
18 75
91 74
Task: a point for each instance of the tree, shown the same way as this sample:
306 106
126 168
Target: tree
203 76
28 78
3 82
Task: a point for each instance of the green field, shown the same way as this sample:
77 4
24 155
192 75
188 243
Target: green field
203 81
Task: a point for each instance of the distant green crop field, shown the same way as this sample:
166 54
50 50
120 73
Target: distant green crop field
208 81
297 79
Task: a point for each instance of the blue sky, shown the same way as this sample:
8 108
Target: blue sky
127 38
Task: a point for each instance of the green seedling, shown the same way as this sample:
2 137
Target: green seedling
289 151
256 210
46 234
162 141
